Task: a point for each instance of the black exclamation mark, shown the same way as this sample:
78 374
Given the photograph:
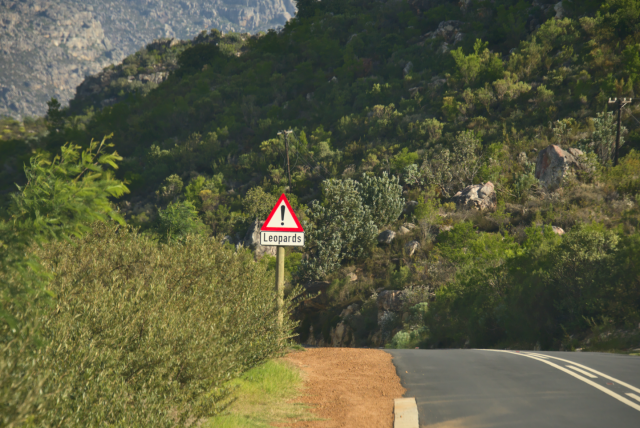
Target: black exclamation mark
282 214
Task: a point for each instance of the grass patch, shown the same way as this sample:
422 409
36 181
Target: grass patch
264 396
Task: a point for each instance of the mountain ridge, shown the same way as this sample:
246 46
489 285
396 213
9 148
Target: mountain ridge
47 48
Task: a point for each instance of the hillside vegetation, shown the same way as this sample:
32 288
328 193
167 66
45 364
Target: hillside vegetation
395 107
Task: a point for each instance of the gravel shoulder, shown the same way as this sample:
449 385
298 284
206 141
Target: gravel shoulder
347 387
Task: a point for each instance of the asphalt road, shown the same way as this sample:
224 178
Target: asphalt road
483 388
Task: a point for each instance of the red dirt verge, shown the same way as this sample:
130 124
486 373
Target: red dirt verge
348 387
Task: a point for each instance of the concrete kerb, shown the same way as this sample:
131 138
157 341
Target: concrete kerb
406 413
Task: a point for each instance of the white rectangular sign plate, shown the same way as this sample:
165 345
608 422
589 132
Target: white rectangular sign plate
282 239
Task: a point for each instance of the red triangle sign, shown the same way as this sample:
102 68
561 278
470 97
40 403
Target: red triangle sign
282 218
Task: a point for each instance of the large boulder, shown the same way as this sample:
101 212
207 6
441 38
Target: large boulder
342 336
386 237
554 164
252 240
449 31
411 247
480 197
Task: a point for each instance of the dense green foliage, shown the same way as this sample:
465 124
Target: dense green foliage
370 88
547 289
345 225
102 326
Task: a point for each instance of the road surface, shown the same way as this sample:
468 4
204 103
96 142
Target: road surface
463 388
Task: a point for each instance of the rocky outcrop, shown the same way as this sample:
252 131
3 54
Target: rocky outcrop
386 237
449 31
411 247
554 164
342 336
481 197
403 230
252 240
389 301
47 48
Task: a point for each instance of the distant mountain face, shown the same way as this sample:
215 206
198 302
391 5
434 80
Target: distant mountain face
47 47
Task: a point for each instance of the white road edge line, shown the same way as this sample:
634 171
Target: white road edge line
619 382
633 396
405 411
584 372
577 376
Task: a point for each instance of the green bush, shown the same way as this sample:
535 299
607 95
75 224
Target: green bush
341 228
384 197
540 291
345 225
143 334
178 220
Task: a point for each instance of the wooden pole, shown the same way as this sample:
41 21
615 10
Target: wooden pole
280 284
286 144
615 155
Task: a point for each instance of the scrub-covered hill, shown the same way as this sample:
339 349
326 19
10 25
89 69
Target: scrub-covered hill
48 47
423 131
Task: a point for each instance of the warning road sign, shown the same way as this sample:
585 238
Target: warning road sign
282 227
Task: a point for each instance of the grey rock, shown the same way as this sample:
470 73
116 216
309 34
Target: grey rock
410 205
386 237
522 158
403 230
481 197
349 310
407 68
553 165
450 31
559 10
411 247
342 336
389 301
252 240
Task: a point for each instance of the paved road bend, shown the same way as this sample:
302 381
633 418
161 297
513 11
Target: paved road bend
462 388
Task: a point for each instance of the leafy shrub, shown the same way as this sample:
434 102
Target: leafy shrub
345 225
451 170
341 228
541 291
625 177
178 220
193 59
384 197
145 334
604 136
60 198
257 204
170 188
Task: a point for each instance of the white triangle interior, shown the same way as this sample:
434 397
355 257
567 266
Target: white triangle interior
278 221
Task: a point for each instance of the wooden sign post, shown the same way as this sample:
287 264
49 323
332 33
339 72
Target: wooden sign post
281 229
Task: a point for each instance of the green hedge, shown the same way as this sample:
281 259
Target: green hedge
139 333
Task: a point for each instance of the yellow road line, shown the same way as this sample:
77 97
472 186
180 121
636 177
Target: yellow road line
584 372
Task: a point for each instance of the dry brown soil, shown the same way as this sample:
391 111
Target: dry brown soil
348 387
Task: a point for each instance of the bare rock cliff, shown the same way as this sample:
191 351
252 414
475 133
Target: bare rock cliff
47 47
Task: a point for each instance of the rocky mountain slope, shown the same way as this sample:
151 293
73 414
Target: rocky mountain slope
48 47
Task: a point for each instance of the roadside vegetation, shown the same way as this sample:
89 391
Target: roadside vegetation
265 395
395 107
104 326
